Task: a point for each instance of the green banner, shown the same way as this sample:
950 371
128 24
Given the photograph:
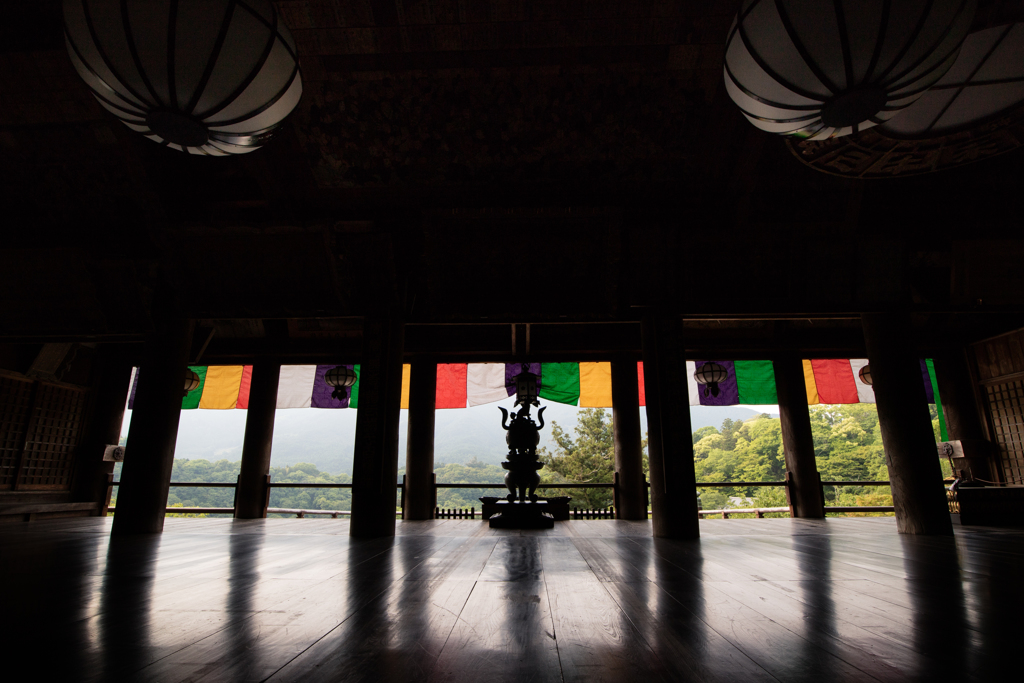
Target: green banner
192 398
560 382
353 401
755 380
938 400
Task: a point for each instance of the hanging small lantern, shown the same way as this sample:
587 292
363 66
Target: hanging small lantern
710 374
212 77
340 378
526 387
191 381
865 375
826 68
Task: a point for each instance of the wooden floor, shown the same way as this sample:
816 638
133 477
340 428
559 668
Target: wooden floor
297 600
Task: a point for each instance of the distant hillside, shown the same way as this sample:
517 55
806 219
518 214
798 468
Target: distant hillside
326 438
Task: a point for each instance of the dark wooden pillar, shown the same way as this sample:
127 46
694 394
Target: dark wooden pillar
669 435
804 490
149 453
252 494
629 464
956 388
914 472
963 418
112 374
419 451
375 467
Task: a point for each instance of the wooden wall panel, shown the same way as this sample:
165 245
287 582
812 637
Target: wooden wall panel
1000 364
1000 356
1005 403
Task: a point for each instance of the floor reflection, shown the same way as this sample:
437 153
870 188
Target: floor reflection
50 596
242 632
126 617
934 582
219 601
815 573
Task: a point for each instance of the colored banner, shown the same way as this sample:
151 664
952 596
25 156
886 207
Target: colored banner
323 393
513 370
865 394
834 381
220 390
485 383
192 398
353 394
641 388
693 389
595 385
589 385
927 376
933 384
243 388
295 388
728 390
451 386
561 382
755 380
406 373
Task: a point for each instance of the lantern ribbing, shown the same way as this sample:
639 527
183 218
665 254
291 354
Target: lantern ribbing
206 77
830 68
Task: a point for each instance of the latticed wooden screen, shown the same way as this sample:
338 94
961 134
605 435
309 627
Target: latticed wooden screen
1006 405
15 400
40 428
53 433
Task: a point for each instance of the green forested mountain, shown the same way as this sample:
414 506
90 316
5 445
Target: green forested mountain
327 437
198 470
847 444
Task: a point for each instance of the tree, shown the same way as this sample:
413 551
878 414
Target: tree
702 432
588 458
729 429
472 472
847 444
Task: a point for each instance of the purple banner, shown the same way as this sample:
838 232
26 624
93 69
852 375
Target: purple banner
929 390
728 391
322 397
513 369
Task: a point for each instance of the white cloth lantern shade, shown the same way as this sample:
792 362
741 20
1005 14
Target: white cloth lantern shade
191 381
340 376
986 79
865 375
825 68
710 374
205 76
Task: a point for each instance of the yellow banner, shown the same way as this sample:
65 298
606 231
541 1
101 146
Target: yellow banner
595 385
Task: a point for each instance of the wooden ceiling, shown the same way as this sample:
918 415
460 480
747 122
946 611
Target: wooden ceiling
478 163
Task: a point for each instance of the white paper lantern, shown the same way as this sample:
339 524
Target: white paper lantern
824 68
710 374
205 76
986 80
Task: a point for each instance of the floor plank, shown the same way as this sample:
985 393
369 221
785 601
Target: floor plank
453 600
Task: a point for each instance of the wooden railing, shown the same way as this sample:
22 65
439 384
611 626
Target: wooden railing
583 513
725 513
759 513
454 513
